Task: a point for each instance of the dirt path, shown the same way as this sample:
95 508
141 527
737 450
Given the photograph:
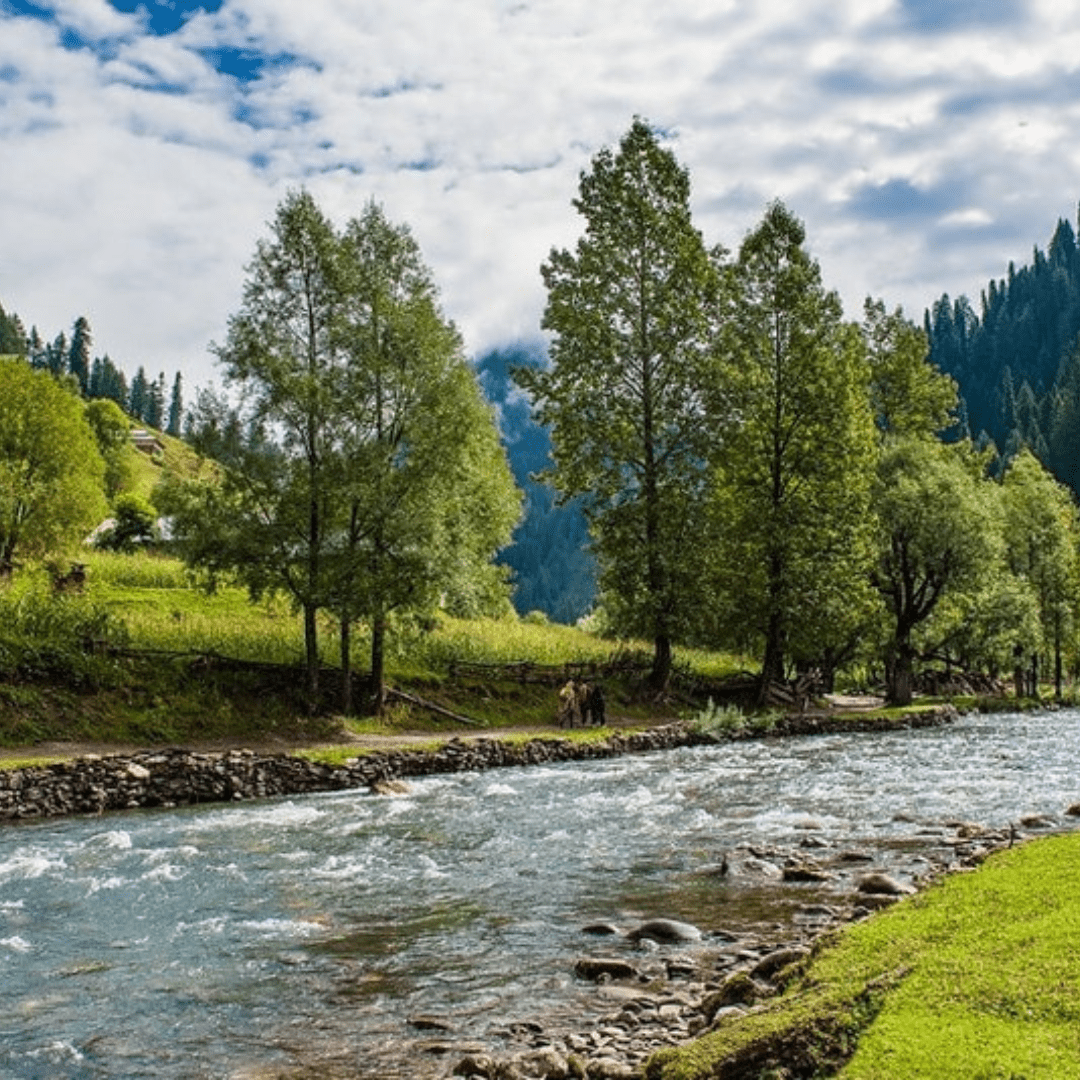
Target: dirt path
394 740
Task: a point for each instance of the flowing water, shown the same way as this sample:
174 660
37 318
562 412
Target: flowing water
242 940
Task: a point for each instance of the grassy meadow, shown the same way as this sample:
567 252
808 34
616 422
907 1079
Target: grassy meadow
127 661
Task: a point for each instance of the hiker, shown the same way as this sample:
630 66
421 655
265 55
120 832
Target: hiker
584 702
568 705
596 706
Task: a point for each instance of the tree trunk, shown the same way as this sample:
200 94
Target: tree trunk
772 664
1058 680
346 666
901 675
378 663
661 669
311 647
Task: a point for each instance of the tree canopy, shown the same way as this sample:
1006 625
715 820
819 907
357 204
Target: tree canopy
631 311
364 473
793 487
50 469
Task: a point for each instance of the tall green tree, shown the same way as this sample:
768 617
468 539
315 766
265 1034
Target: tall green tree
940 535
139 396
265 523
50 469
793 496
365 475
1040 524
113 434
78 358
423 495
13 340
176 407
908 395
632 312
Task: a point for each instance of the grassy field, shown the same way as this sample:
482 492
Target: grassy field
159 689
976 979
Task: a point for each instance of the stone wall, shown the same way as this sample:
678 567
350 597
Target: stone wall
179 777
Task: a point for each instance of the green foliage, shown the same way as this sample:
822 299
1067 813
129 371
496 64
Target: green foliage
792 506
1041 530
61 640
553 569
631 311
719 720
112 430
908 395
940 536
366 475
1016 360
135 525
51 472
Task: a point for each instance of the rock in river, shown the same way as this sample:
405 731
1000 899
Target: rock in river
665 931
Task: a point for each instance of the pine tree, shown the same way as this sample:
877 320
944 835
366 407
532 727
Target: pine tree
78 358
176 408
139 398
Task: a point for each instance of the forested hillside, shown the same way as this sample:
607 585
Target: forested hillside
554 571
1016 359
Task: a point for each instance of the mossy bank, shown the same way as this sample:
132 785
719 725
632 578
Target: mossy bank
976 977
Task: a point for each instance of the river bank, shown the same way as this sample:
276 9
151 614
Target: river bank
176 776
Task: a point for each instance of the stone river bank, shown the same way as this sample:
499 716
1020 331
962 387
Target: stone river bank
95 784
677 986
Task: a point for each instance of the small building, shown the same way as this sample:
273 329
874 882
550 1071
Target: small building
147 442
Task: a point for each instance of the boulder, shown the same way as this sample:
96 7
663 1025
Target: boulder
776 961
883 885
805 872
601 929
595 967
665 931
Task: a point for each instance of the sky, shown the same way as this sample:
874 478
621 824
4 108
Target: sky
145 145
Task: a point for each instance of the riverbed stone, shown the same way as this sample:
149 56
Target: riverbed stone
805 872
596 967
665 931
882 885
773 963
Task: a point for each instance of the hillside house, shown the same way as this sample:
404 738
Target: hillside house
147 442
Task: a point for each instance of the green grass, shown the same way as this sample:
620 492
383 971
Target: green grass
977 978
164 693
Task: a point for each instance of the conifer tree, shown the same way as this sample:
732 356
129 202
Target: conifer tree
176 407
78 358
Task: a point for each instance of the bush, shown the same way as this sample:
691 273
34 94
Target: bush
64 640
134 525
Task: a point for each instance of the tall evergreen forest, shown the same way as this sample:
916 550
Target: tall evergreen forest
1016 359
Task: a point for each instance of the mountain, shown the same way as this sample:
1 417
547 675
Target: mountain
554 570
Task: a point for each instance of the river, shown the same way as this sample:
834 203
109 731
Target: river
240 940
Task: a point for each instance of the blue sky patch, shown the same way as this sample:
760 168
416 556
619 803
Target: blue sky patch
932 16
900 198
166 16
248 65
23 7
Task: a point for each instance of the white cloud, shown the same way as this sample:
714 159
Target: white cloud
922 158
